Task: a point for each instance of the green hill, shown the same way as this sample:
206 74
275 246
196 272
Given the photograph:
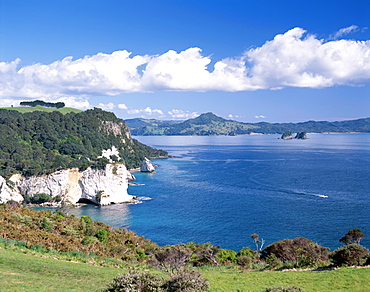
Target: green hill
41 142
210 124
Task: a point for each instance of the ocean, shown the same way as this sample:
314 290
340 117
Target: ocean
222 189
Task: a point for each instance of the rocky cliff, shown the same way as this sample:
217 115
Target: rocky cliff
101 187
8 193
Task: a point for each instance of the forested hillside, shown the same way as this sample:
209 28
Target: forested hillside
38 142
211 124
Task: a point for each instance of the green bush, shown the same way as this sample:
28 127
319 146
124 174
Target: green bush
47 224
302 251
37 199
133 281
102 235
284 289
226 256
89 240
245 262
272 261
352 254
187 281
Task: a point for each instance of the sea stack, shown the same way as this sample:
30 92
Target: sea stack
146 165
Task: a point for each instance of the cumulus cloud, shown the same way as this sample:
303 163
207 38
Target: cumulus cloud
292 59
182 115
148 111
122 106
260 117
108 106
295 60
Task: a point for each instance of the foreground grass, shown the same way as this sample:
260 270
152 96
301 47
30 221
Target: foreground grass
346 279
27 272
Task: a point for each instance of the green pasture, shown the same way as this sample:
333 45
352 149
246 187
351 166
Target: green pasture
20 271
26 109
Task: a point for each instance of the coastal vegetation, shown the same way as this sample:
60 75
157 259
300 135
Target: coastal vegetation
210 124
40 142
118 251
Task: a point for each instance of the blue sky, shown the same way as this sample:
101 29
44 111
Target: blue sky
252 61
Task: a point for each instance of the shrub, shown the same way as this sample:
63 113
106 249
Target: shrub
284 289
248 252
245 262
133 281
47 224
86 219
89 240
187 281
102 235
170 259
226 256
71 231
272 261
204 254
302 251
37 199
352 254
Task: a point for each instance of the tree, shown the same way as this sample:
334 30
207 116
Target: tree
353 236
259 243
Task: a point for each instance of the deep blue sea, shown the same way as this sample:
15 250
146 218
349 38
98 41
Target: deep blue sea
221 189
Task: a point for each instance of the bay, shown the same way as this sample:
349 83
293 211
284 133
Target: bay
222 189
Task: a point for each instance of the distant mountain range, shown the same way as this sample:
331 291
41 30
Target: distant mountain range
210 124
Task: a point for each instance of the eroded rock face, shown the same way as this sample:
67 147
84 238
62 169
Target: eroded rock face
101 187
7 193
147 166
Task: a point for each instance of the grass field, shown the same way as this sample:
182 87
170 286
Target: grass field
26 109
27 272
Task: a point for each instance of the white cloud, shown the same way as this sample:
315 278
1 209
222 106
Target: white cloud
260 117
8 102
234 116
108 106
292 59
148 111
180 114
344 31
122 106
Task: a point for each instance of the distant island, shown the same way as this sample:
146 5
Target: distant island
289 135
209 124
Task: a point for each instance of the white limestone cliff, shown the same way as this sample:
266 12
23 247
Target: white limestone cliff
146 166
101 187
7 193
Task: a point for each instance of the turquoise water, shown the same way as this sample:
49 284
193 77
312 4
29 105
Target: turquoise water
221 189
